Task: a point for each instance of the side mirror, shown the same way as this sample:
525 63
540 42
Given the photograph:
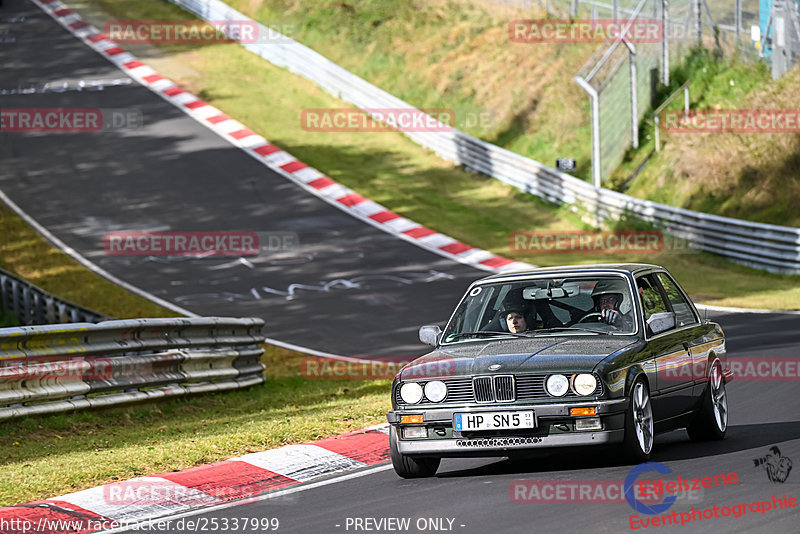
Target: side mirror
430 334
661 322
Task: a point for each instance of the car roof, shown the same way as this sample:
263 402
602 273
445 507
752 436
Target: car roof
633 268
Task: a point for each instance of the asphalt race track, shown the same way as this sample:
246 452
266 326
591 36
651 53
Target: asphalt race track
175 174
474 493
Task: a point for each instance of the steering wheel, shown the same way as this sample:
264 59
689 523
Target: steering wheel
588 316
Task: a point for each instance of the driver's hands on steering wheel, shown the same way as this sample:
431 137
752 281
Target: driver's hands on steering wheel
611 317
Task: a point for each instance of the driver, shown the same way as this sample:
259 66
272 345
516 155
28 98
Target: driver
608 296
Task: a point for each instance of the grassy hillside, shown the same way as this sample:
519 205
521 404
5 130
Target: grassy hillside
453 54
456 54
749 176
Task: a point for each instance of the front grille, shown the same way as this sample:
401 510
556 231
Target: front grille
504 388
465 390
483 389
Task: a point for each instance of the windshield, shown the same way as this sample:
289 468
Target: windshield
585 305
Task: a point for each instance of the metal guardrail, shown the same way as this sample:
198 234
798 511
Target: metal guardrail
32 305
57 368
765 246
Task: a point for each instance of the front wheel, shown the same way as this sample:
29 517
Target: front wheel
638 441
409 466
711 421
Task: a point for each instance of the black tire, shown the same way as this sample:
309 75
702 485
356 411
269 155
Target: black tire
711 422
637 444
410 466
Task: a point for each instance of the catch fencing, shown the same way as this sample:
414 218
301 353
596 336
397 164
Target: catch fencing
58 368
32 305
765 246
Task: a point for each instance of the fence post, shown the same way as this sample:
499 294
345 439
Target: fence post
698 21
634 94
738 20
595 128
665 42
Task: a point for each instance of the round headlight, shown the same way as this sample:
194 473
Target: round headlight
411 392
557 385
584 384
436 391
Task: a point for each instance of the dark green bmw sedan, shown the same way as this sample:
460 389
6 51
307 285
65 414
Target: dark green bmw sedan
558 357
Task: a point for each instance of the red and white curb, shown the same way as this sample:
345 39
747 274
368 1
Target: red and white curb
235 480
275 158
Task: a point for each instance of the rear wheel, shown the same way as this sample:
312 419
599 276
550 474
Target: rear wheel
638 441
410 466
711 422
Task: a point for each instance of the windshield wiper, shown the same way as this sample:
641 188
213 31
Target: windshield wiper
482 333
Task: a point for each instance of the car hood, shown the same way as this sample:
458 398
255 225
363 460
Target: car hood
534 355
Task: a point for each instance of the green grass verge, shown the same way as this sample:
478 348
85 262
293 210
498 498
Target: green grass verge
52 455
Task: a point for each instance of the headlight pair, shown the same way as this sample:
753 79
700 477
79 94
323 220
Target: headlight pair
583 384
434 391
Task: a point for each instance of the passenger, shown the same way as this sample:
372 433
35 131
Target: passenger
515 320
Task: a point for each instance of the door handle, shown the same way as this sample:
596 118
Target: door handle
687 347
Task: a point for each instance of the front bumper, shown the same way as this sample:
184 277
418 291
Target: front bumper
503 445
445 415
554 428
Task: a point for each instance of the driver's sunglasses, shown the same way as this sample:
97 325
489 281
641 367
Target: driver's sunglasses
610 299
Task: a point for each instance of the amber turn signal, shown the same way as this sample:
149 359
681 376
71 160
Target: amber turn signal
417 418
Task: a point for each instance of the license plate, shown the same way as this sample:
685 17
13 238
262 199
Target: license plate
492 421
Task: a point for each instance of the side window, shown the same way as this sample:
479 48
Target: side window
683 311
650 296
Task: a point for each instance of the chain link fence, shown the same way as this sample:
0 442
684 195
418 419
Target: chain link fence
623 79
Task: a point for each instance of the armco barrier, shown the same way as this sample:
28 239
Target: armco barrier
765 246
56 368
32 305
